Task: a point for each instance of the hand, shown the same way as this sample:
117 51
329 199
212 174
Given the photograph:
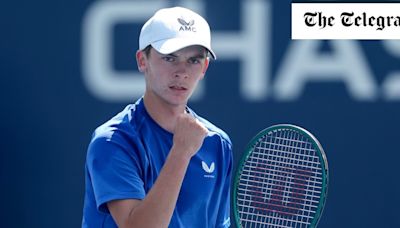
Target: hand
189 135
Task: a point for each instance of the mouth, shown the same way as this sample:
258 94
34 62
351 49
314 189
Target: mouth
178 88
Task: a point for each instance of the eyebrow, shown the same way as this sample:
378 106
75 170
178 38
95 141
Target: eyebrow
203 55
172 55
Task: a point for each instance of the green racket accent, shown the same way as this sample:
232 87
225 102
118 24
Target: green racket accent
282 179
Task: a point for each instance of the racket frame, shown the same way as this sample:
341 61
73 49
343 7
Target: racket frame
321 154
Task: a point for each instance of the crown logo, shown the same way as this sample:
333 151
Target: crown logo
186 26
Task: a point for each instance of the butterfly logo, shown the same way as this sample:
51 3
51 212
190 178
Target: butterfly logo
208 169
186 25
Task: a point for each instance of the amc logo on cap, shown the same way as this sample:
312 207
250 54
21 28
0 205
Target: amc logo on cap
186 26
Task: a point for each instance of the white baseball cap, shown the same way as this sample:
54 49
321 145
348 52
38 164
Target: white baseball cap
172 29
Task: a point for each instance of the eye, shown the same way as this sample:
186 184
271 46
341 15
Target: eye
169 58
194 60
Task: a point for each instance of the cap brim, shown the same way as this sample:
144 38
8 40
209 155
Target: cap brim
172 45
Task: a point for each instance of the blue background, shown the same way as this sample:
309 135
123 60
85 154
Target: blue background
48 114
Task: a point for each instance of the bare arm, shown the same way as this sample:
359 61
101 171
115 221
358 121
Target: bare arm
157 207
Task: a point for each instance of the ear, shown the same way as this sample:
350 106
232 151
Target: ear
141 60
206 64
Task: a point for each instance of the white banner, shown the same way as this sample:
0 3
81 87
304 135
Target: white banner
359 21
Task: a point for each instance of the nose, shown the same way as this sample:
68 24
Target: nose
181 70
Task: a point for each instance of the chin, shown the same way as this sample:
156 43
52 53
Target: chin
177 101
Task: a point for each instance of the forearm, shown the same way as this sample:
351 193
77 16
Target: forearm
157 208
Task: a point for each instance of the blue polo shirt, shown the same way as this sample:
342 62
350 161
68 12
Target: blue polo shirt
125 157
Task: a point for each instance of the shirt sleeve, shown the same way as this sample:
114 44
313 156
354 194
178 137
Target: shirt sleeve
114 172
223 220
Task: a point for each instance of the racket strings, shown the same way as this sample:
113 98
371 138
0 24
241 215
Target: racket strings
280 183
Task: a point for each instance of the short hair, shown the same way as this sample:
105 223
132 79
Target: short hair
147 50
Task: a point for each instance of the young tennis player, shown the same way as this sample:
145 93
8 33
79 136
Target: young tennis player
157 163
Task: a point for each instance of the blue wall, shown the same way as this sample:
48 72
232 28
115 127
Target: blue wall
345 92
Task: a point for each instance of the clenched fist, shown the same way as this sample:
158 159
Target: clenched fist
189 135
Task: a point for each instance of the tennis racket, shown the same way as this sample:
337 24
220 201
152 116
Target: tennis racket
282 180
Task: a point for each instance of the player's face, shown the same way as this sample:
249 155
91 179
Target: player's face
172 78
